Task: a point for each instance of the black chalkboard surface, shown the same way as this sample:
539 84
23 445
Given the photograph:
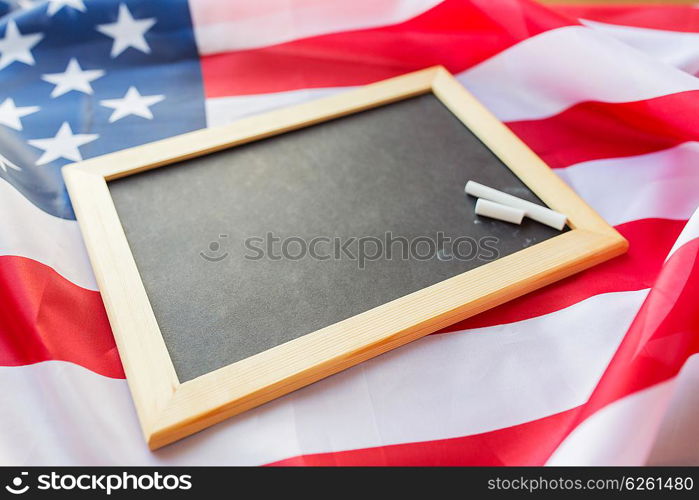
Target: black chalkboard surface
398 169
240 263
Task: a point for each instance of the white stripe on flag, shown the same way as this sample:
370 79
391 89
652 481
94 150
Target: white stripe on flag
661 184
677 441
28 231
674 48
227 26
557 69
225 110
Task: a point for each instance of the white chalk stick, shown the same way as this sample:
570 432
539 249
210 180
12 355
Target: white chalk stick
532 210
499 211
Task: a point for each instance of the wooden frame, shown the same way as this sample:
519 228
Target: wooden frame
169 410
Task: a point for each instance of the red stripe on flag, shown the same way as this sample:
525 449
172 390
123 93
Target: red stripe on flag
531 443
649 244
46 317
661 17
596 130
456 34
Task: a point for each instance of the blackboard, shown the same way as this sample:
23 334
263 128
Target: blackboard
399 169
209 323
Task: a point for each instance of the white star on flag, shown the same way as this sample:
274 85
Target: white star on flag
127 32
15 46
5 164
133 103
10 114
73 78
64 145
56 5
25 4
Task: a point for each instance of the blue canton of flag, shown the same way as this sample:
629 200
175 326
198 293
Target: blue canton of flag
81 78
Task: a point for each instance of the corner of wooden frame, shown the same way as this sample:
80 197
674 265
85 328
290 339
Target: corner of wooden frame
439 72
156 433
180 417
612 242
524 162
75 175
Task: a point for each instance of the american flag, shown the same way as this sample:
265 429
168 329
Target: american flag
600 368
